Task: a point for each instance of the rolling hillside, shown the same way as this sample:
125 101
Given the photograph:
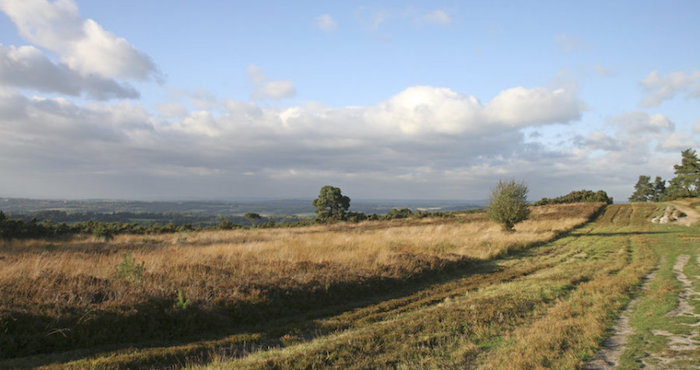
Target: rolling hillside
448 293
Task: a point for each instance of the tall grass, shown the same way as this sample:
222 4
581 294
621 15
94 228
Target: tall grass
70 294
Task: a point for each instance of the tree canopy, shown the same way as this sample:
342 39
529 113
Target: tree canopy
687 180
252 217
643 190
331 204
659 189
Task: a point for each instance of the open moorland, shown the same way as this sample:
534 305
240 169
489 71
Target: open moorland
450 292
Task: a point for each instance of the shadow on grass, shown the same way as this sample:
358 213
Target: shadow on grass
621 233
156 323
261 325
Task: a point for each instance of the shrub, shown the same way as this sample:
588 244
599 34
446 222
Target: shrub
103 232
508 204
578 197
356 216
226 225
398 213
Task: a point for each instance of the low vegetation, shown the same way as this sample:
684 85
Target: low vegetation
415 292
83 293
577 197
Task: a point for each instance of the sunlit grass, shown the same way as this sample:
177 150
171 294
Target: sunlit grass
67 294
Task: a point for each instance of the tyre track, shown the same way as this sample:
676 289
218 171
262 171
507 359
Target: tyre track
680 346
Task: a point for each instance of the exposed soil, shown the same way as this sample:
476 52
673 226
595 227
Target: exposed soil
677 214
691 215
609 354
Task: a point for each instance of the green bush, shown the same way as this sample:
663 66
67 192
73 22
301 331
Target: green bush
398 213
508 204
577 197
103 232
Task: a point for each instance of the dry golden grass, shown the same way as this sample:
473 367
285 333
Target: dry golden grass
364 245
238 275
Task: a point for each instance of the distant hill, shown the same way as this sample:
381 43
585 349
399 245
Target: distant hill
272 208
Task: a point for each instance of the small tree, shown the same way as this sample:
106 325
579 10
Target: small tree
331 204
687 180
508 204
252 217
643 190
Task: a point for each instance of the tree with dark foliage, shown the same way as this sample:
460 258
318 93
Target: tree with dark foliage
331 204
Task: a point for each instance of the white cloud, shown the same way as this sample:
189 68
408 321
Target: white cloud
101 52
518 107
639 123
677 141
203 99
269 89
660 88
637 139
27 67
377 19
421 127
172 110
275 90
255 73
425 109
326 23
374 19
567 43
424 141
697 126
601 70
83 45
438 17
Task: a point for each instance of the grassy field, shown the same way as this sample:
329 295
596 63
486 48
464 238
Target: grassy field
449 293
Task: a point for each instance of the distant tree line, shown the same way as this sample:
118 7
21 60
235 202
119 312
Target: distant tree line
148 218
16 228
22 228
578 196
685 184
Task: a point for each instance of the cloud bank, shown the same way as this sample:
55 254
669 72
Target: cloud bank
419 135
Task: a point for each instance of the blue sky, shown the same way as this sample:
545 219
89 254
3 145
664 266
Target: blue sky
420 100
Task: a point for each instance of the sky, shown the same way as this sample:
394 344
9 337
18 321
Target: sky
151 100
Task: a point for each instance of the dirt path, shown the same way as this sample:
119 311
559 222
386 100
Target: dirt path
680 344
691 217
609 354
